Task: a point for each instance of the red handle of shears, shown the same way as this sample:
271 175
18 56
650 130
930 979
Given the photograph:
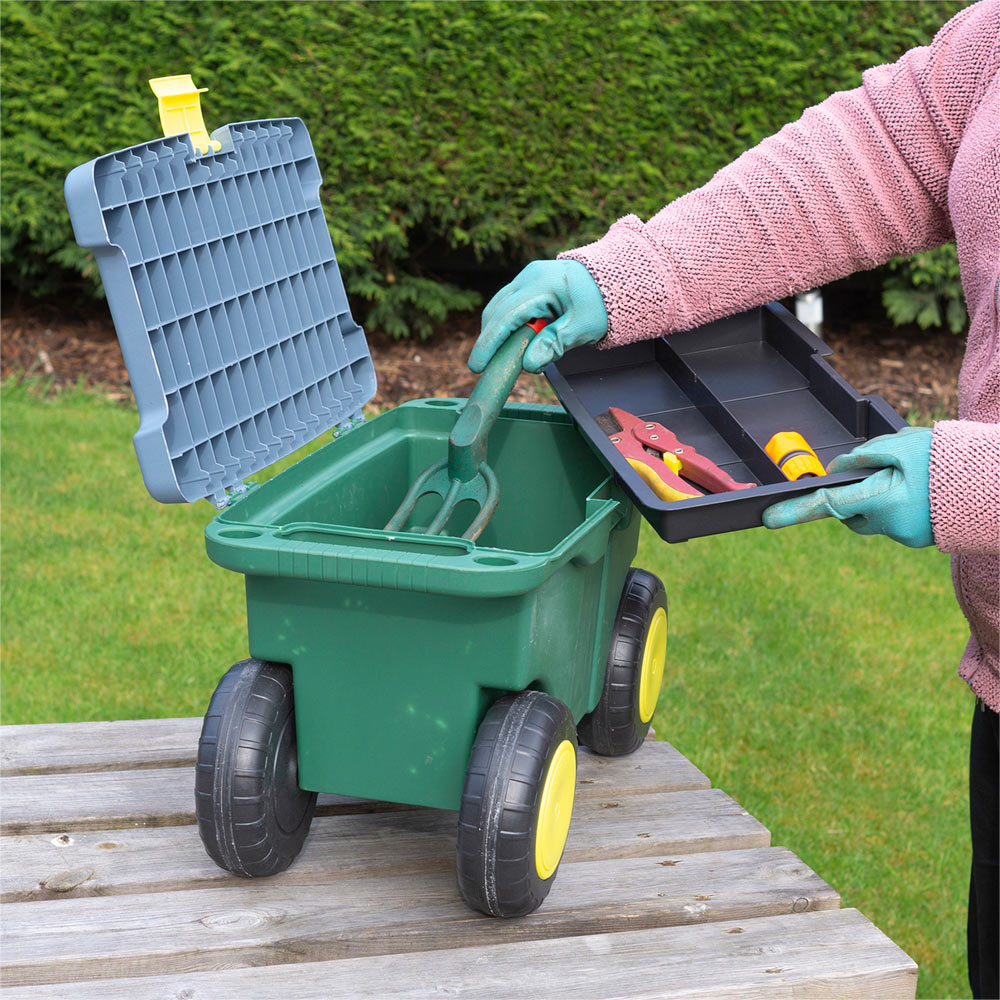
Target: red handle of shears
694 466
638 435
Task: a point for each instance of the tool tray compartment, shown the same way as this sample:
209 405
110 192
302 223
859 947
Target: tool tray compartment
724 389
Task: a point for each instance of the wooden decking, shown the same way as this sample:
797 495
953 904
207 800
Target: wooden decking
668 888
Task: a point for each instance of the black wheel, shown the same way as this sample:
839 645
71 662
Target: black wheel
252 816
620 721
517 804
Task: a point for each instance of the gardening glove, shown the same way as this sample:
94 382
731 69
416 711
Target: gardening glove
561 291
894 501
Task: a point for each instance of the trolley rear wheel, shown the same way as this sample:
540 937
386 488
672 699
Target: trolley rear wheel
636 656
517 804
252 816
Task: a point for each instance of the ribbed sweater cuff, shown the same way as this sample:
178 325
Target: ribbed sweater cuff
965 486
637 282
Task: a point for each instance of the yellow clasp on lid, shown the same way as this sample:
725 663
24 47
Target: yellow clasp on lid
180 110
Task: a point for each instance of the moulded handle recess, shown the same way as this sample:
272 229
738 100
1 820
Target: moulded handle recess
392 542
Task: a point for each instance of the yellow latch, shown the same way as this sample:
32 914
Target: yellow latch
180 110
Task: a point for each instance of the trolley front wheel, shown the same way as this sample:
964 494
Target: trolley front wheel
620 720
517 804
252 816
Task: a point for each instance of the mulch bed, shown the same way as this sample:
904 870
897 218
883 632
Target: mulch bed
914 370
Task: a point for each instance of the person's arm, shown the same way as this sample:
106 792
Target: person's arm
965 487
857 180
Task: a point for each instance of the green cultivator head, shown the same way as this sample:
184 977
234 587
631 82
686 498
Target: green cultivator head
481 489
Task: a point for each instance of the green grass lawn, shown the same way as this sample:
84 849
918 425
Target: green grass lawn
811 672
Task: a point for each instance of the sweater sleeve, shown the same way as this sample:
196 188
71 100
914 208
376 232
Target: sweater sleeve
857 180
965 487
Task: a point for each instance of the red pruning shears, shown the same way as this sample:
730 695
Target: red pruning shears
660 459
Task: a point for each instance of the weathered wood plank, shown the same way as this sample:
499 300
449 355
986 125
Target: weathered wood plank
270 923
47 866
98 746
69 747
823 955
78 801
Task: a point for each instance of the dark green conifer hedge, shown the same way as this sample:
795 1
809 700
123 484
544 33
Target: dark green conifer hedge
457 140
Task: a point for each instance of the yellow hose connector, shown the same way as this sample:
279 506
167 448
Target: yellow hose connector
791 453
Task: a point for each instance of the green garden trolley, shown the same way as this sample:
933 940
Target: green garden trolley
397 663
432 670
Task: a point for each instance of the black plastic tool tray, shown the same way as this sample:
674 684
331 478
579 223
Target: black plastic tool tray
725 389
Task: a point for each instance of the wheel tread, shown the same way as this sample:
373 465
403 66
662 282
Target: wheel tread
495 865
614 727
235 801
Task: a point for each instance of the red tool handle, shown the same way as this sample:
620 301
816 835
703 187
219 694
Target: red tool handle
661 476
694 466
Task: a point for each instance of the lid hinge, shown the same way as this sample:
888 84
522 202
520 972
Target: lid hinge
348 425
236 491
226 496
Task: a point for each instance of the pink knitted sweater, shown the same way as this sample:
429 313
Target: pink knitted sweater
906 162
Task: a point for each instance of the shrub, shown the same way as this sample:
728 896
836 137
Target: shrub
926 289
458 140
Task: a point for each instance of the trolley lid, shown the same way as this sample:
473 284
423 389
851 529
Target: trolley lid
229 305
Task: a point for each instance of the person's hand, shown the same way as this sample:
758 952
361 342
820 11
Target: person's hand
561 291
894 501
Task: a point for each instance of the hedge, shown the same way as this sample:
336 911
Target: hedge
457 140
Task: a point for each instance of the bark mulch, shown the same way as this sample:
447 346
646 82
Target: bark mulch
914 370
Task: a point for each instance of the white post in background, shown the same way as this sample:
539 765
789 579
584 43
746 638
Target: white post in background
809 310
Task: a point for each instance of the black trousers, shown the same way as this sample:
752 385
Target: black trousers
984 887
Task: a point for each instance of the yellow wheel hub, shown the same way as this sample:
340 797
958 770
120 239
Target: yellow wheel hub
654 656
555 809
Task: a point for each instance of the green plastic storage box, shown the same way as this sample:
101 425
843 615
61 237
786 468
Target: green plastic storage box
399 643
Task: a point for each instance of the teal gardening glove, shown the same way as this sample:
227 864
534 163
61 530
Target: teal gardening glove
894 501
561 291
